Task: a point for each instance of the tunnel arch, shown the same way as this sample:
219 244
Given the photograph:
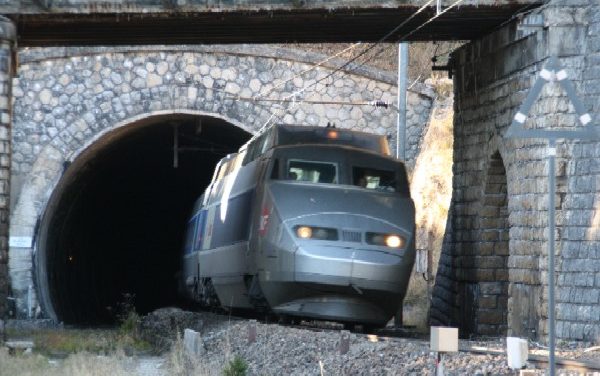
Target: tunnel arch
111 227
67 99
493 250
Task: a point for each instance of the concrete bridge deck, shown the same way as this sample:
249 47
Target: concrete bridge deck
103 22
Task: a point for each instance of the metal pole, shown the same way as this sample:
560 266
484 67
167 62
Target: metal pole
551 226
175 145
402 79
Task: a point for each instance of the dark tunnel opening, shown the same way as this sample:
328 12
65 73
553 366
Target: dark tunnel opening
115 227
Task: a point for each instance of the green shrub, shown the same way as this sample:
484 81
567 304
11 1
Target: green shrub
129 325
236 367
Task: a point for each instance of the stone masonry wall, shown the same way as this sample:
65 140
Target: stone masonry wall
66 98
493 77
7 46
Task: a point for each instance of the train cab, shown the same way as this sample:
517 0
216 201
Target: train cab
306 222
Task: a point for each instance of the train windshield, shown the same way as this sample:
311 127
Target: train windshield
371 178
312 171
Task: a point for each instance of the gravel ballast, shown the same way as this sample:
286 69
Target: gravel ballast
284 350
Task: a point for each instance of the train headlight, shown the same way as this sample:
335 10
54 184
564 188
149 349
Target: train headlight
317 233
304 232
386 240
393 241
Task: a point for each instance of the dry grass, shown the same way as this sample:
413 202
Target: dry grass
180 363
431 189
85 352
82 364
62 342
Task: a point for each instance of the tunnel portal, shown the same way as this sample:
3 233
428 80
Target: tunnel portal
114 224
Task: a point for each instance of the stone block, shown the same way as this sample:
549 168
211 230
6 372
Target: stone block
490 317
484 275
576 330
501 274
487 302
192 343
485 248
501 248
523 262
491 288
492 223
526 276
490 262
489 235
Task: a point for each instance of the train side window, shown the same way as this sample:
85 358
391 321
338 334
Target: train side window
223 170
189 235
371 178
312 171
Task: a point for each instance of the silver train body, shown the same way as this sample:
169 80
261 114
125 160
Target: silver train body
304 222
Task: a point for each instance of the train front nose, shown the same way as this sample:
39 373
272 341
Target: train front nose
351 250
342 274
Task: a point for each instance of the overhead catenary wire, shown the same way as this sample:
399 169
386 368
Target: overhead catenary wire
451 6
375 103
381 40
373 45
292 97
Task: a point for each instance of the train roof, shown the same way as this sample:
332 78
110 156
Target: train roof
287 134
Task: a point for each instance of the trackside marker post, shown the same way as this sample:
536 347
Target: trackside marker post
252 331
344 344
552 72
442 340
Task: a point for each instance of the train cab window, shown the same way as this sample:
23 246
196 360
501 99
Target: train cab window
370 178
312 171
275 170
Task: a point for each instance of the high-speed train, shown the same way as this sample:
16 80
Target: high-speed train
304 222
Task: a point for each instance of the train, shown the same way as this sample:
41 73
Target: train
304 222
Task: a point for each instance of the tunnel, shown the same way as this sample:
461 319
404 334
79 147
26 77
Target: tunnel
111 234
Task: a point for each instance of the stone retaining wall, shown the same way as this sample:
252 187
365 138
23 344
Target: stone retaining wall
493 77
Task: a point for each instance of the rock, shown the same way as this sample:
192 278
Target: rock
192 343
161 326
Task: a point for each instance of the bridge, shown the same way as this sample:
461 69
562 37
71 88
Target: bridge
103 22
81 101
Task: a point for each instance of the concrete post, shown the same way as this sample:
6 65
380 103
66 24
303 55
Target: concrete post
8 38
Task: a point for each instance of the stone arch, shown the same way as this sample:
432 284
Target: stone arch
65 96
56 176
493 250
66 100
484 277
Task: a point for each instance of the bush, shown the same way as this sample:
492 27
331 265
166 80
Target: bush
236 367
129 325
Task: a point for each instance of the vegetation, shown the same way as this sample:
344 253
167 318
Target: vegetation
236 367
81 364
62 342
431 189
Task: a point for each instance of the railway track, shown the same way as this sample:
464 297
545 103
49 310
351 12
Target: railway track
410 334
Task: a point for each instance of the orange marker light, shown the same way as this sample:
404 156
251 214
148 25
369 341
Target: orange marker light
304 232
332 134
